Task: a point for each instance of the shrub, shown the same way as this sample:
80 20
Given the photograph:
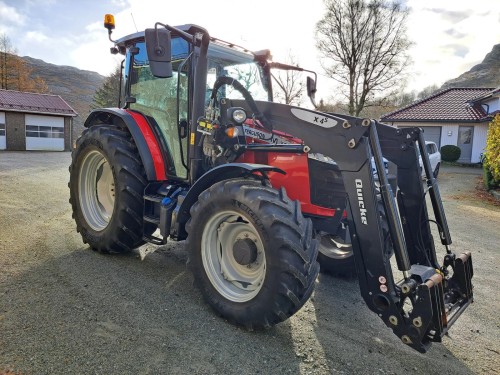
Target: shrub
492 151
489 183
450 153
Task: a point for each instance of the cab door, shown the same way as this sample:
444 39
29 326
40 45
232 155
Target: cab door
164 101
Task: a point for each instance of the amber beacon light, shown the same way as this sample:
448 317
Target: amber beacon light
109 21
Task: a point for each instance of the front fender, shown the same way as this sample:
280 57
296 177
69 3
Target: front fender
214 175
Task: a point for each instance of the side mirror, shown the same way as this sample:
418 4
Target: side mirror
158 47
311 90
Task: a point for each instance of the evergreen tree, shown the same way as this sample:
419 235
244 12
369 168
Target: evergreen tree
107 95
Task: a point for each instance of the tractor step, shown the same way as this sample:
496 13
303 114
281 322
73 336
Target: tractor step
157 198
160 200
151 219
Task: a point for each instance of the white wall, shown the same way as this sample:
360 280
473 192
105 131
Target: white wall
3 141
447 139
479 141
493 104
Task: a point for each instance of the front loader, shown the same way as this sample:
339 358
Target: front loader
197 151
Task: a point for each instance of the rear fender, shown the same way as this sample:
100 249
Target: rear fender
214 175
144 138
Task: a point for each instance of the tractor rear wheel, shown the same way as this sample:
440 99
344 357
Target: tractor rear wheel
335 254
106 189
251 252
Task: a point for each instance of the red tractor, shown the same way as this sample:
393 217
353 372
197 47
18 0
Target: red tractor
196 150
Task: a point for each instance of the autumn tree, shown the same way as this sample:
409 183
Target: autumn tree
107 94
289 86
15 74
364 47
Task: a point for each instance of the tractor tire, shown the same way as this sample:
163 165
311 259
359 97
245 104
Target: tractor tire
336 256
252 253
107 182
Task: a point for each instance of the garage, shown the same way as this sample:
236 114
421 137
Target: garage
44 133
3 142
433 134
34 122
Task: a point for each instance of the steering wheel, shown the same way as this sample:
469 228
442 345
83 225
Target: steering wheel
223 80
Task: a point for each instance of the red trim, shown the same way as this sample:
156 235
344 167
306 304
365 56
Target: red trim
153 145
296 180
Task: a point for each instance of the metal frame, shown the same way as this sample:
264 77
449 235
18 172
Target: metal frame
436 299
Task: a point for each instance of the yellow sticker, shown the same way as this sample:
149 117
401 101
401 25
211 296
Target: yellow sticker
191 142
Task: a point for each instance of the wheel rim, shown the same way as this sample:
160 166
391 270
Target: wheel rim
334 247
233 256
97 190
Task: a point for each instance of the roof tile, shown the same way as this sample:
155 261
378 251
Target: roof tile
37 103
449 105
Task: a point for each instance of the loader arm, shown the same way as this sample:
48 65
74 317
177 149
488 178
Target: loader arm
425 301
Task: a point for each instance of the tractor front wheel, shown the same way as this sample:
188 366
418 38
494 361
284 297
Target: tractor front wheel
251 252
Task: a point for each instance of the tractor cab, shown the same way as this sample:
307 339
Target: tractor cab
169 102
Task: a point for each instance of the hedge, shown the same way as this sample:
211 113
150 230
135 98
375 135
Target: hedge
450 153
492 152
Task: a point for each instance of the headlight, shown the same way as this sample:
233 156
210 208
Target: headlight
238 115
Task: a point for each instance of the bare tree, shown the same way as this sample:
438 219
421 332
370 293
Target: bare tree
6 51
428 91
246 74
364 45
290 84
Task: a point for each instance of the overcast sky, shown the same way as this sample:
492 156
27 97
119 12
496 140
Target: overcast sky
450 36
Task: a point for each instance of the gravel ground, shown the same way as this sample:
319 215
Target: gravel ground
65 309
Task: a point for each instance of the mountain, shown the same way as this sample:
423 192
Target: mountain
485 74
75 86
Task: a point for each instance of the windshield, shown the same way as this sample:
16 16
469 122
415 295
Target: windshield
238 65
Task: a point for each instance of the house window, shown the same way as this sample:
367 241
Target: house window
465 136
2 129
36 131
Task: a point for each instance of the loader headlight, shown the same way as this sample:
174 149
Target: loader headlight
238 115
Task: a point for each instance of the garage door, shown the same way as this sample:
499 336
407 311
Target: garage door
433 134
44 133
3 142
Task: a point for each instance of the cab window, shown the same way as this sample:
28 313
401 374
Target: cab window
156 98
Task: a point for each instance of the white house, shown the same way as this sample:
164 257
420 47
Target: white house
455 116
